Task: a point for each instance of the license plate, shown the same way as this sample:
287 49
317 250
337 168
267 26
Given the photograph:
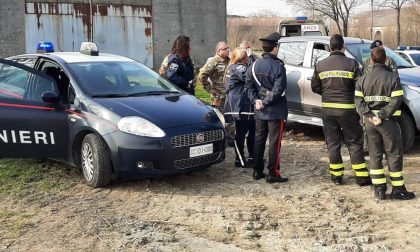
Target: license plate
201 150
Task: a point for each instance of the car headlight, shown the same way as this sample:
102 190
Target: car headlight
415 88
139 126
220 115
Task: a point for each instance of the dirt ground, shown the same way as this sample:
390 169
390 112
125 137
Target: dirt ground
219 209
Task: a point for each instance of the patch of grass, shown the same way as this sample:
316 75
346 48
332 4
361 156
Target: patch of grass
23 176
202 94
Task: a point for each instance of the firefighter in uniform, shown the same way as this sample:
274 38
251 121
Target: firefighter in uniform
368 63
334 79
265 83
378 97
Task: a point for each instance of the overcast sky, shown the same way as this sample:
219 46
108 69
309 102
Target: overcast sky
247 7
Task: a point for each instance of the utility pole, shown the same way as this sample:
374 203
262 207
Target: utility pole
371 20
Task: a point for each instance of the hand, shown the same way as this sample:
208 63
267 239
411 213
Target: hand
259 105
375 120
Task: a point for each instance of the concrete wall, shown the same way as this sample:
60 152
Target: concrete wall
202 20
12 32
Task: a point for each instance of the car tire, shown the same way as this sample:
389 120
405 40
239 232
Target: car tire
408 130
96 162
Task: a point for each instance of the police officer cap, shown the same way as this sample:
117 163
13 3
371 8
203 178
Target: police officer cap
376 43
273 38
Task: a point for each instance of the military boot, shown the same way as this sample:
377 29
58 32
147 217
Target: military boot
401 193
380 192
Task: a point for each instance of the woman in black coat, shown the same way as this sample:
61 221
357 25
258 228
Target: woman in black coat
180 66
238 107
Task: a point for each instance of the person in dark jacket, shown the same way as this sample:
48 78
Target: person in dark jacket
334 79
265 85
180 66
378 97
238 108
368 63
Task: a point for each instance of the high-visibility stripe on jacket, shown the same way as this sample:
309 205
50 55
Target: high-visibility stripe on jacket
334 79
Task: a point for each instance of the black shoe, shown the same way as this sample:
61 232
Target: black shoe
380 192
276 179
245 165
401 193
337 180
258 175
363 181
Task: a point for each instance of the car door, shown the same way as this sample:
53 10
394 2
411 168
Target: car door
292 53
30 127
317 51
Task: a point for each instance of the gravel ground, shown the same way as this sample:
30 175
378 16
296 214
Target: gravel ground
220 209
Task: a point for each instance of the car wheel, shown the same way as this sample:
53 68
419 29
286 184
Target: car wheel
408 130
96 163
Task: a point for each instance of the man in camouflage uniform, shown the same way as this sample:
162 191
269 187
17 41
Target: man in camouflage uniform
212 73
368 63
211 77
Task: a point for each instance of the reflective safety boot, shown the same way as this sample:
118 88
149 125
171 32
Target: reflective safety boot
338 180
401 193
380 192
363 181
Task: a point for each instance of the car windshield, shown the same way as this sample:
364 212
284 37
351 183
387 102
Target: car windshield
416 58
120 79
362 51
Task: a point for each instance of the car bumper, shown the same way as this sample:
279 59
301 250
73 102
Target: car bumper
134 156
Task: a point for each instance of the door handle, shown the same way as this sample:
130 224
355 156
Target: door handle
309 78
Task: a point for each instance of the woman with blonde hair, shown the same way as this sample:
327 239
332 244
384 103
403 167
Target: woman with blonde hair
238 107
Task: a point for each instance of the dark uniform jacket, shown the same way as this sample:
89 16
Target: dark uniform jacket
271 74
237 104
334 79
181 72
379 93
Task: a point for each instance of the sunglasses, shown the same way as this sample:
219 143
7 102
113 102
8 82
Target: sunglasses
227 48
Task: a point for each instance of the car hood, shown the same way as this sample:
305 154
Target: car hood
165 111
410 76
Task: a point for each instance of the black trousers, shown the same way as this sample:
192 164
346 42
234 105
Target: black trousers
385 138
242 128
274 130
345 128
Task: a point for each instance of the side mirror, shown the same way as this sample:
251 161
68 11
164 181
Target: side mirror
51 97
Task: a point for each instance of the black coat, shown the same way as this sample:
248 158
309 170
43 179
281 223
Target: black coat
271 74
237 103
181 72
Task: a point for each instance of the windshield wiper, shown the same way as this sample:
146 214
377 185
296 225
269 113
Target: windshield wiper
109 95
161 92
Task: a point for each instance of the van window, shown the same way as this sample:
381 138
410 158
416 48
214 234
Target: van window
319 52
292 53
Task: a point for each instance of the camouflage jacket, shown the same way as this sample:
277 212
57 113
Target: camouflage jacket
389 62
211 75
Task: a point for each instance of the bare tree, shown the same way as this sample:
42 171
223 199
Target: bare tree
338 10
396 5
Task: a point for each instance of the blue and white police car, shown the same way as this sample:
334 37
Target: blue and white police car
108 114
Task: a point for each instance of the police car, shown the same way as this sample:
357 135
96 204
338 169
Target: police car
300 55
410 53
105 113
